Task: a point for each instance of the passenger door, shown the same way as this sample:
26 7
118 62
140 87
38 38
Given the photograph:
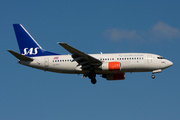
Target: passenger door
149 58
46 62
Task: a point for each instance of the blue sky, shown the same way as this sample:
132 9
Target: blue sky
108 26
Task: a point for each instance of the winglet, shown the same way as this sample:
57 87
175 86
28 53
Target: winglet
20 57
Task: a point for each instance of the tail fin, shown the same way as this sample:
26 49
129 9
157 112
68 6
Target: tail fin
27 45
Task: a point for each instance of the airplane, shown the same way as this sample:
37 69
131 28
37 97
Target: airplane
112 66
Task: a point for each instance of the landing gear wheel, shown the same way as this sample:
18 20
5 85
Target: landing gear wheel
153 76
93 81
92 76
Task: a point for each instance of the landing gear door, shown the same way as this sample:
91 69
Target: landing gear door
149 59
46 62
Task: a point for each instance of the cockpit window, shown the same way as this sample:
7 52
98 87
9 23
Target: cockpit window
160 57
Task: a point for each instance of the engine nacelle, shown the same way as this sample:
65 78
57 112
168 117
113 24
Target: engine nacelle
111 66
114 76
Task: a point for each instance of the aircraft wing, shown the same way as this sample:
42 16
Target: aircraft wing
83 59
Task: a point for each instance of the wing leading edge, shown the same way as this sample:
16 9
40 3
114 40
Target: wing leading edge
81 58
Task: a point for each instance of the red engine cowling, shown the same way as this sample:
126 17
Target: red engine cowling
114 76
111 66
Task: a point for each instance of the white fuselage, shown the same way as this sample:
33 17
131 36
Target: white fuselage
110 66
130 62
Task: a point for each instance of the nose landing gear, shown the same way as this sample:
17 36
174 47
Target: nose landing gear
155 71
153 76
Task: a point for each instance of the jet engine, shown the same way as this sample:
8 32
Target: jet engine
111 66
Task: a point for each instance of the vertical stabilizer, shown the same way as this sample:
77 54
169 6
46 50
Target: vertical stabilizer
27 45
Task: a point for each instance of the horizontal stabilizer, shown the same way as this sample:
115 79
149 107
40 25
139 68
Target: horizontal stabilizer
20 57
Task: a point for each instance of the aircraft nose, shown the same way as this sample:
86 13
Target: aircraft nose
170 63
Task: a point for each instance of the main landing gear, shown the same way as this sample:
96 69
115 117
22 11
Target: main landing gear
92 76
